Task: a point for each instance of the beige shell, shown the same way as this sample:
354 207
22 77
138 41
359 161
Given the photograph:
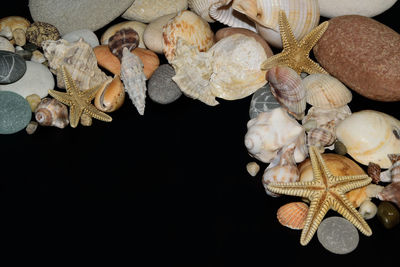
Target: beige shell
370 136
326 117
252 168
368 209
6 45
303 16
293 215
201 8
111 95
17 25
320 137
153 34
79 59
357 196
391 193
222 11
51 112
325 91
139 27
190 27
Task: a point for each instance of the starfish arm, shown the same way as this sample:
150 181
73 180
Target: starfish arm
312 67
97 114
90 93
69 83
62 97
279 59
288 39
74 115
300 189
309 41
348 183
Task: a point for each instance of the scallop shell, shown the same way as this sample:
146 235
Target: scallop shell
303 16
222 11
79 59
201 8
370 136
287 87
325 91
111 95
139 27
293 215
252 168
190 27
128 38
51 112
391 193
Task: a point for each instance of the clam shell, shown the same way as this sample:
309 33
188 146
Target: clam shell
325 91
139 27
190 27
357 196
303 16
293 215
391 193
201 7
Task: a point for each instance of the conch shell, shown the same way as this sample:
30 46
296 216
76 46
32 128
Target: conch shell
51 112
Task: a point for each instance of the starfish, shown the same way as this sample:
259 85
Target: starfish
78 101
296 54
325 192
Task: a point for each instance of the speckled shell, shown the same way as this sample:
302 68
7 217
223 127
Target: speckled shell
51 112
153 34
303 16
222 11
395 168
391 193
201 7
139 27
325 91
79 59
111 95
293 215
374 171
39 32
128 38
190 27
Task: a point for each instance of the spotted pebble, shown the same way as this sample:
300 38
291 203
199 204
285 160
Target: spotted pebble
12 67
161 88
15 112
262 101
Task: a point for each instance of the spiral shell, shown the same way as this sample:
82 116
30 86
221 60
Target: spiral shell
51 112
320 137
374 171
326 118
139 27
368 209
293 215
128 38
391 193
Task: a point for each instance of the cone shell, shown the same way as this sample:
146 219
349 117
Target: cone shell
51 112
293 215
325 91
139 27
303 16
190 27
110 96
391 193
201 8
374 171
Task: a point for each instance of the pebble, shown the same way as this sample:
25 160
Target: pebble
34 101
88 36
262 101
338 235
25 54
37 80
368 8
340 148
15 112
12 67
388 215
32 127
161 88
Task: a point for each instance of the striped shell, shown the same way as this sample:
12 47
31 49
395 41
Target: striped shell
325 91
128 38
320 137
201 7
139 27
303 16
293 215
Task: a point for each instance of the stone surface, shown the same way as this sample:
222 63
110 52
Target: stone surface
161 88
87 35
364 54
338 235
37 80
368 8
69 16
262 101
15 112
39 32
388 215
12 67
153 34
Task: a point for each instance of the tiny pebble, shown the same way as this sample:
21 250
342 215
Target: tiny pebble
262 101
252 168
32 127
86 120
33 101
340 148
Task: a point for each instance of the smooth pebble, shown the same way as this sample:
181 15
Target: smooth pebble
12 67
161 88
388 214
262 101
87 35
368 8
15 112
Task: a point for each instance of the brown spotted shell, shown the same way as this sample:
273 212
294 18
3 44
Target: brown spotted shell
38 32
51 112
293 215
374 171
126 37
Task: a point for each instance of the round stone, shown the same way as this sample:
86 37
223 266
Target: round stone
388 215
12 67
338 235
87 35
368 8
15 112
161 88
262 101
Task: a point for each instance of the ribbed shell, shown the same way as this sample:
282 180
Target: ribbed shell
293 215
325 91
128 38
201 7
320 137
222 11
374 171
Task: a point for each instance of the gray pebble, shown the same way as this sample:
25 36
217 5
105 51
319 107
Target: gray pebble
338 235
15 112
262 101
25 54
161 88
12 67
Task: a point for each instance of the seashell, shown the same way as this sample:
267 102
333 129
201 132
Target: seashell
51 112
17 26
34 101
222 11
252 168
5 45
320 138
373 190
368 209
110 96
128 38
374 171
269 132
391 193
79 59
38 57
153 34
134 79
287 87
190 27
39 32
370 136
6 33
357 196
293 215
395 168
326 118
325 91
139 27
303 16
31 127
201 7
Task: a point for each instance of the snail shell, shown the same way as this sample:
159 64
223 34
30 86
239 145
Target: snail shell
391 193
368 209
111 95
374 171
126 37
320 137
51 112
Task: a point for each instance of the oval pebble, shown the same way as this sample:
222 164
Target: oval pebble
15 112
161 88
388 215
12 67
88 36
338 235
262 101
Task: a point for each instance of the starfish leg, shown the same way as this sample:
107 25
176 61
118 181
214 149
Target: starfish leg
287 35
97 114
293 189
62 97
312 38
313 67
74 115
279 59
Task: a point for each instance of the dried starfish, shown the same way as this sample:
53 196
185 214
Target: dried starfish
78 101
325 192
296 54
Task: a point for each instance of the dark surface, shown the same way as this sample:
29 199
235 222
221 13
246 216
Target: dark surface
170 186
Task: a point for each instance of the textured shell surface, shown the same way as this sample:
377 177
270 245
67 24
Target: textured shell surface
370 136
6 45
222 11
190 27
323 117
128 38
262 101
325 91
14 22
51 112
79 59
201 8
293 215
320 137
134 79
252 168
153 34
303 16
138 26
391 193
374 171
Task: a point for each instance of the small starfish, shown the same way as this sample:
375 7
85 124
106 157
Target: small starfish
78 101
325 192
296 54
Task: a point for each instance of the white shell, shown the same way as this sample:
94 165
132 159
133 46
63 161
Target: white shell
367 8
302 15
153 34
326 118
201 8
252 168
6 45
370 136
368 209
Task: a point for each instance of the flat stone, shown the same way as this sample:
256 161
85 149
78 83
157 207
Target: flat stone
368 8
262 101
15 112
87 35
338 235
161 88
37 80
12 67
70 16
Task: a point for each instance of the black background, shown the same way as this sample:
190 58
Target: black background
170 186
